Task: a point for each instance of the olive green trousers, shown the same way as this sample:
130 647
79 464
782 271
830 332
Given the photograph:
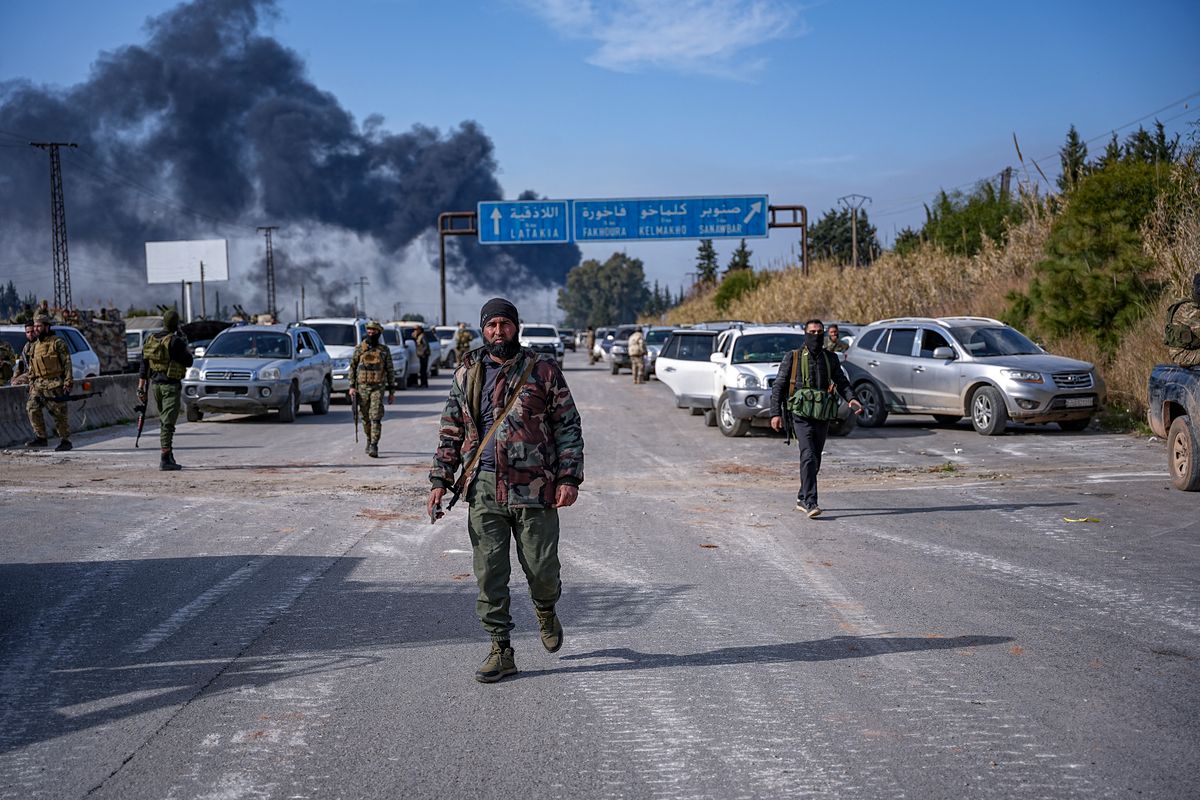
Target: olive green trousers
166 397
491 527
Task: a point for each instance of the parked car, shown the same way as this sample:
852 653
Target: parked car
1174 414
604 342
402 366
84 361
568 338
951 367
408 332
619 349
541 337
747 359
656 337
252 369
340 336
684 367
446 336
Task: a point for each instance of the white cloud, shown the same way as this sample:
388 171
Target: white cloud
711 37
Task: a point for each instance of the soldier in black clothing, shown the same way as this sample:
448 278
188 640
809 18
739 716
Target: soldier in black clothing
810 406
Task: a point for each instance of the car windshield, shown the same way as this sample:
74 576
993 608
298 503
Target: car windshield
982 341
391 336
533 330
763 347
657 337
626 332
251 344
133 340
338 334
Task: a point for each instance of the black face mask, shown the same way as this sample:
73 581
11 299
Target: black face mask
503 349
373 339
812 341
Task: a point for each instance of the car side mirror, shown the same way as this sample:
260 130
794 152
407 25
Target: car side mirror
943 353
198 353
305 353
717 358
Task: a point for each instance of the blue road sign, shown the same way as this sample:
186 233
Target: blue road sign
734 217
525 222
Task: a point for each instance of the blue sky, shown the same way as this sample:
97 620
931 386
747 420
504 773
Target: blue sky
805 102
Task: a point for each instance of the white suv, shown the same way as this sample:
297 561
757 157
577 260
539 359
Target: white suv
541 337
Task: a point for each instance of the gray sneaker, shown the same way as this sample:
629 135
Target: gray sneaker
815 511
499 664
552 631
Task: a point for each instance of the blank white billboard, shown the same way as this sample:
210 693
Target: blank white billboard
172 262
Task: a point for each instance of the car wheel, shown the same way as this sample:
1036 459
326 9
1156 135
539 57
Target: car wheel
710 418
988 414
414 379
433 372
287 411
615 368
1183 455
727 422
1075 425
875 413
322 405
194 414
947 420
843 425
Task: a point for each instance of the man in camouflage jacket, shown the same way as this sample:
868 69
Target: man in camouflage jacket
371 374
1183 329
50 377
530 468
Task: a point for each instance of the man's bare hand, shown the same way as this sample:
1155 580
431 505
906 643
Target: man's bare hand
391 398
435 498
566 495
777 424
857 406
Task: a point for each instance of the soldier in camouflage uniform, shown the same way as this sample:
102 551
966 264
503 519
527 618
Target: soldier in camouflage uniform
21 374
462 342
834 343
49 377
516 482
165 361
372 373
1183 328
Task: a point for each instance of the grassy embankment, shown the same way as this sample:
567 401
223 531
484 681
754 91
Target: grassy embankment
930 282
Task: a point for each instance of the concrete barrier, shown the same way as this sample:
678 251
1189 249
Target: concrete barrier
118 396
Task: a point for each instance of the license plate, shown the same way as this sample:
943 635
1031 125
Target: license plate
1079 402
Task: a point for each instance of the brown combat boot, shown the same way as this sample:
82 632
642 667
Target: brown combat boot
167 462
500 663
551 628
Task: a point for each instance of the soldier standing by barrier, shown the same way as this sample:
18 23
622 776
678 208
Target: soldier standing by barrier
371 372
165 359
462 342
806 387
423 352
637 356
510 416
49 377
1182 335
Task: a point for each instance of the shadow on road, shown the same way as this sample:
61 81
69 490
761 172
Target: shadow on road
829 514
832 649
88 644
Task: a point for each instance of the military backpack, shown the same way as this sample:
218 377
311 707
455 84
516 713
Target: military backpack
1177 334
807 401
157 352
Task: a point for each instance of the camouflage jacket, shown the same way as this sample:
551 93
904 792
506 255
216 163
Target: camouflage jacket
43 352
8 360
539 444
389 371
462 340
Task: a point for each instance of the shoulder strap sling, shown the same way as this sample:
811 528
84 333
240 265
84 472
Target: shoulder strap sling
460 485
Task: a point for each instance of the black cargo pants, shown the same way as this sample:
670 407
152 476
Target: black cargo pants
810 436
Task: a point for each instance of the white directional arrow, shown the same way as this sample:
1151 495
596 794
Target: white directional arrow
755 208
496 215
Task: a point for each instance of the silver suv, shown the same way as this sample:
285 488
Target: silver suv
951 367
251 369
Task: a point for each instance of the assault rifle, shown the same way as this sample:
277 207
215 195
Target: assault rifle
140 408
354 407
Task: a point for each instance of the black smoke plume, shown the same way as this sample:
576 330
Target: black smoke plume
210 127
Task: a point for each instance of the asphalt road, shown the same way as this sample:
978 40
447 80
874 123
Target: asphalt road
280 620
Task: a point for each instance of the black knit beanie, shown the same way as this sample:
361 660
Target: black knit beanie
498 307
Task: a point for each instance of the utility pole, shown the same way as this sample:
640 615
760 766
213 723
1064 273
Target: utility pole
58 225
203 309
302 311
362 301
266 230
396 311
854 202
1005 183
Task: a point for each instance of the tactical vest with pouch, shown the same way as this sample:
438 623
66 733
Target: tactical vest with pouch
47 363
806 400
370 366
1177 334
157 352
